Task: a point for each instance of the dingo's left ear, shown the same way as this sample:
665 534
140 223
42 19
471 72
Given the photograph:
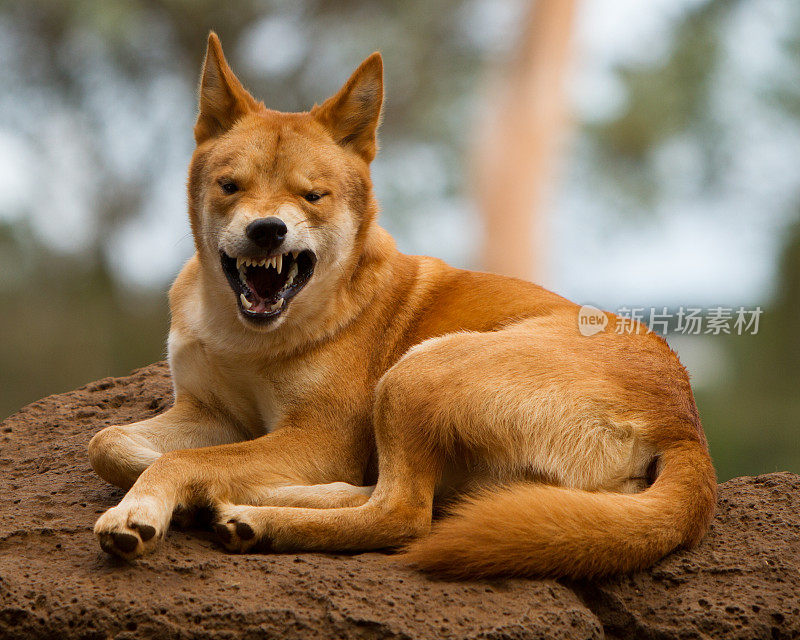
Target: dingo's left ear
352 115
223 99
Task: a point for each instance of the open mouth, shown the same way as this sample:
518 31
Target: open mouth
265 285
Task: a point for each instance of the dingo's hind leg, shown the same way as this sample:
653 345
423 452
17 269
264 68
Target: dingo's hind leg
496 399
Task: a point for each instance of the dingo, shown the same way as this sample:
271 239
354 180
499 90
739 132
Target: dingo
328 388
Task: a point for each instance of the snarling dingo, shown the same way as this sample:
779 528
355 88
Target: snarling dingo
330 390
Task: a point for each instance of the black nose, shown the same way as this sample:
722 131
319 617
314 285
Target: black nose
267 233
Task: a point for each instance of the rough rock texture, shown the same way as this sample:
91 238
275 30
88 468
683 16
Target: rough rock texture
742 582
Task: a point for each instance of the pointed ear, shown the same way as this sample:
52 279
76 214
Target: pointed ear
352 115
223 99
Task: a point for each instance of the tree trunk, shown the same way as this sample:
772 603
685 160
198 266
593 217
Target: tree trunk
518 144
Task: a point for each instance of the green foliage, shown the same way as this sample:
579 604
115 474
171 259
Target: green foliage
64 319
65 322
752 414
753 419
666 100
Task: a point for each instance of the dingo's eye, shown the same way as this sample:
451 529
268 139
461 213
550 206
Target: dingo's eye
228 187
312 196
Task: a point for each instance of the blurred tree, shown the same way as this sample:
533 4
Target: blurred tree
65 321
665 101
99 95
751 414
752 419
514 162
97 109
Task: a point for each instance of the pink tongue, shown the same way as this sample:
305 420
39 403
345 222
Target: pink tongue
259 307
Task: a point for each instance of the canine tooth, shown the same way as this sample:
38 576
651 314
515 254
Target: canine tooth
239 263
295 254
292 274
277 305
245 302
278 262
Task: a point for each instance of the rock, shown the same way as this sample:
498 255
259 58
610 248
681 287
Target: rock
742 582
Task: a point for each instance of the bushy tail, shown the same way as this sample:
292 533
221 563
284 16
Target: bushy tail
540 530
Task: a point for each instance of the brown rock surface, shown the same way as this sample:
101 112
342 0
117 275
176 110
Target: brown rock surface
742 582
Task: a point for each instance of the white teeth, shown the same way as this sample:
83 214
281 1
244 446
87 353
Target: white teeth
292 274
275 261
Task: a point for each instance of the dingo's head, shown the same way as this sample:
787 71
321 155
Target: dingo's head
279 201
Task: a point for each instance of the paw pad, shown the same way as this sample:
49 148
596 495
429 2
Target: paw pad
125 542
146 532
245 531
235 534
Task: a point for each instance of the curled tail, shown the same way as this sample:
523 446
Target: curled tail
540 530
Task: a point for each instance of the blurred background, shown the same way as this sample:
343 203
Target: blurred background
624 153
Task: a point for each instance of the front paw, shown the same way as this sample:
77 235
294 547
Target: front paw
132 528
236 529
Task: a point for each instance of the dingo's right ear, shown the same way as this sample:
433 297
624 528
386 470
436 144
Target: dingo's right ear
223 99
